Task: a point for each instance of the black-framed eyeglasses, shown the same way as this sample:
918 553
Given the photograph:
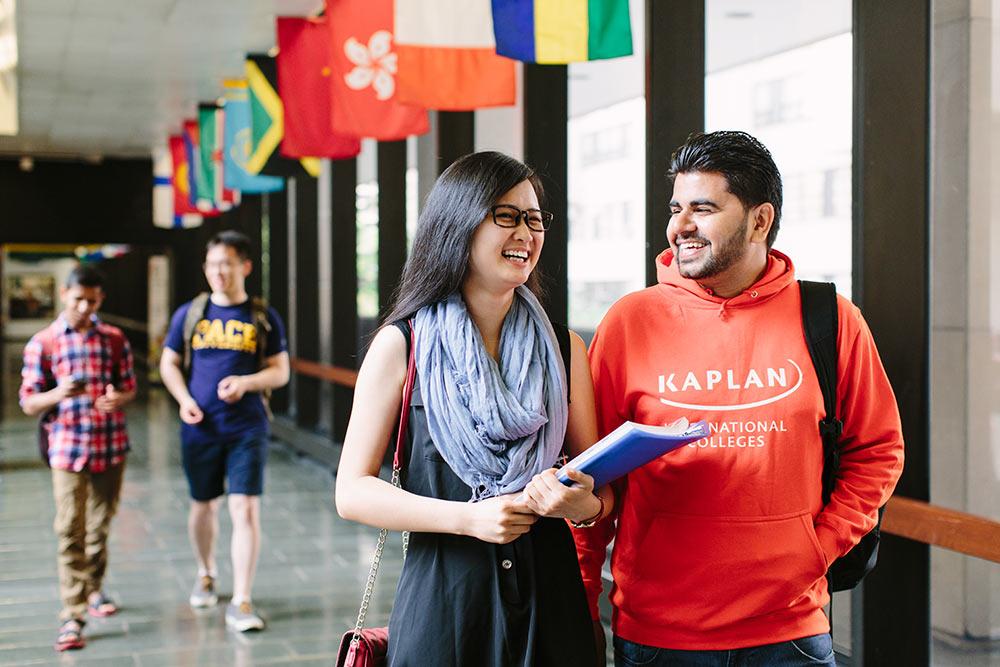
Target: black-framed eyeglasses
505 215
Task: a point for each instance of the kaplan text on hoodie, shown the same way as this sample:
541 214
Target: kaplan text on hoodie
724 544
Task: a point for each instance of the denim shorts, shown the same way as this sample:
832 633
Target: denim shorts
238 461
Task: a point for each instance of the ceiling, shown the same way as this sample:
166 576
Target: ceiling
103 78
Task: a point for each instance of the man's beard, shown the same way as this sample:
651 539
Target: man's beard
730 251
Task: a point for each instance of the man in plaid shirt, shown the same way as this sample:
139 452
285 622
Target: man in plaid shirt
78 373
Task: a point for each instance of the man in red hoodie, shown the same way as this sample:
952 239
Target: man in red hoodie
721 548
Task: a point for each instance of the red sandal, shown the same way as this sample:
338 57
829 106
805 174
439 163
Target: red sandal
70 636
102 606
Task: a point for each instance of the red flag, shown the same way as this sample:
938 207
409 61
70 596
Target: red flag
304 83
181 182
363 81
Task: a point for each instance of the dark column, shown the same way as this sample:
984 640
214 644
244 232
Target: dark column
275 209
675 104
391 218
306 296
456 136
344 179
3 357
891 285
247 218
546 116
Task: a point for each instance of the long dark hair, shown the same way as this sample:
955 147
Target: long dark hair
459 201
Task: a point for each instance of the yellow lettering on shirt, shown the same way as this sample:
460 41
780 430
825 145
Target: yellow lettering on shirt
232 335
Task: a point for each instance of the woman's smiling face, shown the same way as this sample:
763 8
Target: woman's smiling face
502 258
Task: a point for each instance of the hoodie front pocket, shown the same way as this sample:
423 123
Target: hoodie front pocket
710 572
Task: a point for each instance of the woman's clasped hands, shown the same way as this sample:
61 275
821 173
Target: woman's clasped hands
547 496
505 518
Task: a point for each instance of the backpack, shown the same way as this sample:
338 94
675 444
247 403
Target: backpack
819 322
47 340
258 311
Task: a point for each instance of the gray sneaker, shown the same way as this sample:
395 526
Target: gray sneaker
243 617
203 594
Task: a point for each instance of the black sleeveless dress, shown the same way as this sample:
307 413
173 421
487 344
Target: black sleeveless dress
462 602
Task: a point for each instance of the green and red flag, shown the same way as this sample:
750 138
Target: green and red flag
211 124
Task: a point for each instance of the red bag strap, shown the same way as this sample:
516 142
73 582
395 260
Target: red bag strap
404 413
397 459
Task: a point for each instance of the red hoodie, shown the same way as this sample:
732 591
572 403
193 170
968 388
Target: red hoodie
724 543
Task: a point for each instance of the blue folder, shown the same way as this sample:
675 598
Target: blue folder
628 447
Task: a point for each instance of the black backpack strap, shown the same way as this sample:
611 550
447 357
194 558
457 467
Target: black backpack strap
820 325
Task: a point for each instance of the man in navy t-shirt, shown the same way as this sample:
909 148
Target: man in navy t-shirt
218 377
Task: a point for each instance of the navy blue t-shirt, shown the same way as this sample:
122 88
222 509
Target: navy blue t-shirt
224 343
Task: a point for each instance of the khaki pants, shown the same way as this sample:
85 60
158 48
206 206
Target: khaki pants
85 504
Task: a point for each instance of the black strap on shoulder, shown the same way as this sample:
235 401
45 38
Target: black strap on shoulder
404 328
566 350
820 325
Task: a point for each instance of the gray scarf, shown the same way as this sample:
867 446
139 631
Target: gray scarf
495 426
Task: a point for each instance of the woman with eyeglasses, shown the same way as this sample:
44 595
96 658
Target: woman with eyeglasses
491 575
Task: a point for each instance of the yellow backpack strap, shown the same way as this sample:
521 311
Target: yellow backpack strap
195 312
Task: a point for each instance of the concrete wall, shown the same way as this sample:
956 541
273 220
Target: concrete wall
965 301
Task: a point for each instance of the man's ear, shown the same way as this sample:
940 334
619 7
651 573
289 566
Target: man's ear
761 219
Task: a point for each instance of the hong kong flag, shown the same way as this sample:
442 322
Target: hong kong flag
363 78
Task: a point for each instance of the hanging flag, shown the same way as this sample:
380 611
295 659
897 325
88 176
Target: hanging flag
267 120
237 144
267 117
185 214
210 140
304 84
200 192
363 81
447 56
163 189
562 31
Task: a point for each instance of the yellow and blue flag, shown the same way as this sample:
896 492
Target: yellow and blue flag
562 31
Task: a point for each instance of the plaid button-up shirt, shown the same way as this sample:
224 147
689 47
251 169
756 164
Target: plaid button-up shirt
81 437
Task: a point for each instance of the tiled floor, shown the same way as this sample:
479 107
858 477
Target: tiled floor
309 581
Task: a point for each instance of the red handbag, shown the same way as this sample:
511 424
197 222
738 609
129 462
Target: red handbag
369 647
369 651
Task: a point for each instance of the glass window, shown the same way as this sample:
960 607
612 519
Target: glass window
367 241
782 71
607 181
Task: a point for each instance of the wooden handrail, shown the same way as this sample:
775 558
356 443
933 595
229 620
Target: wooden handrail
904 517
957 531
345 377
